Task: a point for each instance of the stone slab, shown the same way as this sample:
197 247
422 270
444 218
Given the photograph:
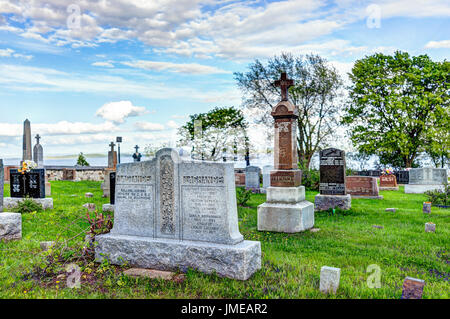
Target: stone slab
286 178
428 176
412 288
10 226
388 182
364 186
252 178
332 172
287 195
108 208
329 279
238 261
420 189
430 227
12 202
325 202
286 218
388 188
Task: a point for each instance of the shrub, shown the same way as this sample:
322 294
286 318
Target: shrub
439 197
310 179
242 195
28 206
81 161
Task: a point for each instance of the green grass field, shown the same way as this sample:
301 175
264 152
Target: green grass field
290 262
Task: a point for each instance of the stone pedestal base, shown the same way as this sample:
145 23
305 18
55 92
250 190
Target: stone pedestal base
325 202
238 261
286 210
420 189
12 202
108 208
10 226
388 188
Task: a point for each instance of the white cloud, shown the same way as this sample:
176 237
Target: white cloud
118 112
438 44
189 68
6 53
103 64
172 124
148 126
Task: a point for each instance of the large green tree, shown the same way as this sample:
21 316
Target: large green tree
211 133
316 94
395 102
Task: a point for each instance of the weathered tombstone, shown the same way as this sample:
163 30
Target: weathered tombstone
329 279
2 182
425 179
69 174
266 177
239 176
252 181
26 156
112 157
430 227
10 226
332 181
412 288
286 209
112 188
172 214
362 187
38 153
426 207
31 184
388 183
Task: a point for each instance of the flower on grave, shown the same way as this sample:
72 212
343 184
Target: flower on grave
27 166
387 171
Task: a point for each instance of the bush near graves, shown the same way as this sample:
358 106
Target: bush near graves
28 206
242 195
311 179
439 197
81 161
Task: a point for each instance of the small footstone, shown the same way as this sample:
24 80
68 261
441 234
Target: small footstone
430 227
88 195
108 208
426 207
90 207
314 230
46 245
153 274
10 226
390 210
377 226
329 279
412 288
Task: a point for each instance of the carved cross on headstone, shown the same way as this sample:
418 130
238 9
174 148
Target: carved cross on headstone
38 138
112 146
137 148
284 83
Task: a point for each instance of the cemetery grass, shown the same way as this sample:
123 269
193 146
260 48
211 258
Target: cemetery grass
290 262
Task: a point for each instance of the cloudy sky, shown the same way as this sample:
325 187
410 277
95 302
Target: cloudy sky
84 72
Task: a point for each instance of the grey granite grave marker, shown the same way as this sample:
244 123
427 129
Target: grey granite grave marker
26 156
172 213
266 176
332 181
38 153
425 179
252 180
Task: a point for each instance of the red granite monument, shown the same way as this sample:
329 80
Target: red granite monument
362 187
286 209
388 183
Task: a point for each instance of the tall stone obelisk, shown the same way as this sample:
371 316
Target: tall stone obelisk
286 209
27 152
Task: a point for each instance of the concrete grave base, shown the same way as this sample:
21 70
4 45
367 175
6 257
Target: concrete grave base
10 226
108 207
420 189
325 202
12 202
367 197
286 210
238 261
388 188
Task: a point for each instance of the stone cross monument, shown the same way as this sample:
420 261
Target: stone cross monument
38 153
286 209
112 156
26 141
137 156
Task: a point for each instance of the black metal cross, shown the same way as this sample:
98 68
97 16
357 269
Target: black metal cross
38 138
284 83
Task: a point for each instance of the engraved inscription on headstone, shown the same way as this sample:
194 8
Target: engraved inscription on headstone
332 172
31 184
167 195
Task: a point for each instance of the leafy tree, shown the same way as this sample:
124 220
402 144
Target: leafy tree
81 161
437 141
209 134
316 92
151 149
395 101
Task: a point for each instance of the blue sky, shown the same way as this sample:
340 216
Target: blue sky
137 69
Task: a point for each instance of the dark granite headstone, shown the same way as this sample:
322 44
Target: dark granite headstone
402 177
31 184
332 172
112 187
